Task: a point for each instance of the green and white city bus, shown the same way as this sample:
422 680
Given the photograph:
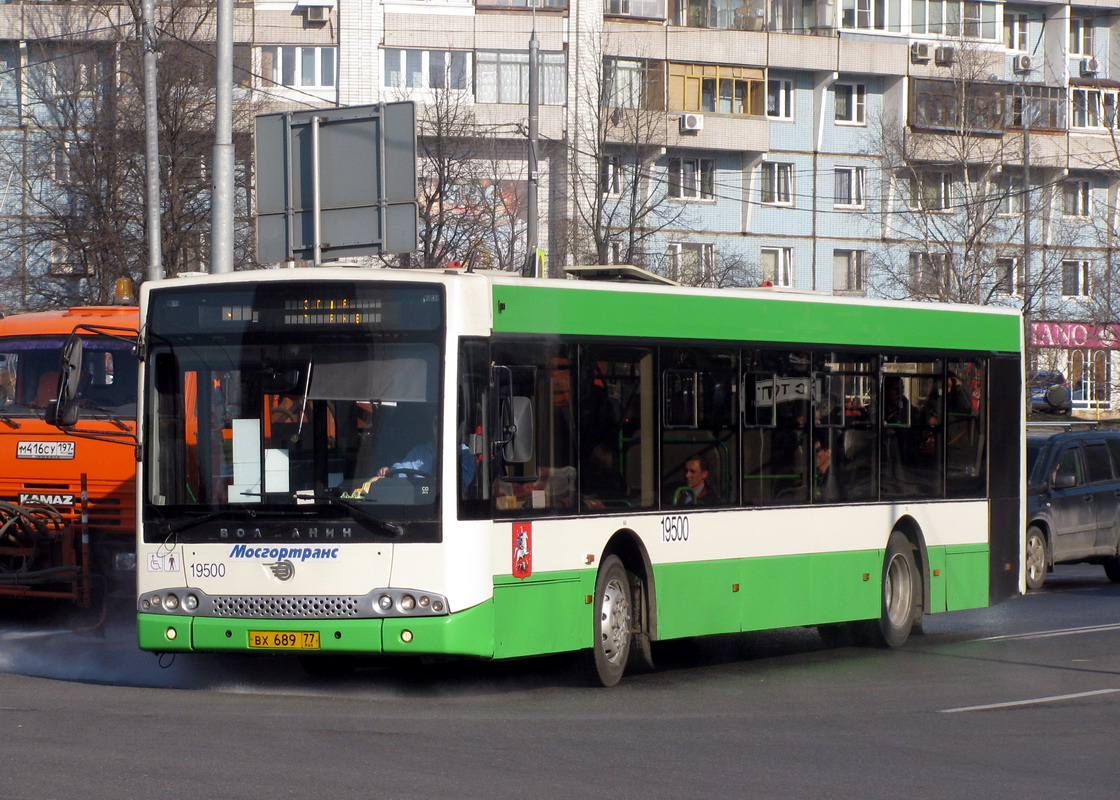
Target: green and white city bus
351 461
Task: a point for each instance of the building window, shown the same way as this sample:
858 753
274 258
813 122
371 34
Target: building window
1075 277
63 261
425 69
779 98
930 191
848 271
522 4
1090 378
302 67
1092 108
610 175
851 102
1039 106
503 77
717 89
1081 36
1010 194
1076 195
1008 281
634 84
692 178
929 273
777 181
1015 31
777 265
624 83
970 19
858 13
60 165
447 69
690 262
848 183
646 9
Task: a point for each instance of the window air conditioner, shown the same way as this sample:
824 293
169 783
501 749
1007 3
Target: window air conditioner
1089 66
690 123
1022 63
919 52
317 13
945 56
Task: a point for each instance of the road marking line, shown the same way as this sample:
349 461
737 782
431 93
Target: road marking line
1048 634
1054 699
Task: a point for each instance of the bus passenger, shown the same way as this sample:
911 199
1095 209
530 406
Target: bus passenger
697 492
896 407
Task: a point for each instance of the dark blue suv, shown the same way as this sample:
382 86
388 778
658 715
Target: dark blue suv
1073 500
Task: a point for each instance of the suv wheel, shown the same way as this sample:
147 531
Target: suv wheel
1037 557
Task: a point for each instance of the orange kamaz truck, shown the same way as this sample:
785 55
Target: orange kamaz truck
67 503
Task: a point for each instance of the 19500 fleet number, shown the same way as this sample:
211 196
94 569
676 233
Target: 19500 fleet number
674 528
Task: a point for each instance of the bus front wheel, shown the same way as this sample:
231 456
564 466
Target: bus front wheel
902 590
613 625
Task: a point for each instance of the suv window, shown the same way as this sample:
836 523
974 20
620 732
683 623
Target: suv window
1070 462
1097 463
1114 448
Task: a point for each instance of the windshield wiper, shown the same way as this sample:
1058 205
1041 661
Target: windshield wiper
239 513
113 418
390 528
11 423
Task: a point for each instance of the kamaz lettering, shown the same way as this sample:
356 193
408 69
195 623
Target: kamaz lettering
278 553
27 499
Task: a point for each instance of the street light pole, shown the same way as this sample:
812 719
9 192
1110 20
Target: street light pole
221 200
151 142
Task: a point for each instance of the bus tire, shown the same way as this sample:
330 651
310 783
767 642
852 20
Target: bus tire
902 590
1112 569
613 624
1037 557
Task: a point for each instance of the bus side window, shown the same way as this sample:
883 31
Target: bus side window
774 401
546 482
699 390
617 409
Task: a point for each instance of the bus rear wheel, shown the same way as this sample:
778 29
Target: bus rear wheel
613 626
902 590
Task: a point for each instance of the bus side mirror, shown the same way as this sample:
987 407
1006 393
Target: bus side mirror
62 412
517 433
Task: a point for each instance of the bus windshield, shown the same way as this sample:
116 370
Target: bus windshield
270 410
29 376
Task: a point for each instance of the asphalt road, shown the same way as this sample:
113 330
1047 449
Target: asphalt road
1017 701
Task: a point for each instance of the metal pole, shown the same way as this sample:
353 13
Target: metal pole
221 208
151 142
1025 272
316 197
532 266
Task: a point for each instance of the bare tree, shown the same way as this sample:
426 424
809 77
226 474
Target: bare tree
954 199
617 205
75 146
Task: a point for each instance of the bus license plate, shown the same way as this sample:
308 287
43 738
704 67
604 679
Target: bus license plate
285 640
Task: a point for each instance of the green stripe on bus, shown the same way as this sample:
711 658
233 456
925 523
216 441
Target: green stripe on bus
542 310
550 612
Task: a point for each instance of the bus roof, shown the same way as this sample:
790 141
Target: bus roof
639 310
